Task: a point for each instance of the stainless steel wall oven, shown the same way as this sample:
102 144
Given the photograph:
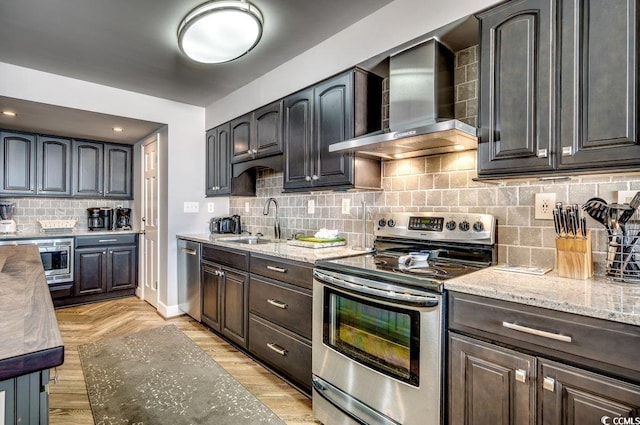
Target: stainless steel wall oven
378 319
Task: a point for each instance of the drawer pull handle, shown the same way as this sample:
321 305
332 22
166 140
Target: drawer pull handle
277 348
107 240
521 375
277 269
549 384
277 303
536 332
189 251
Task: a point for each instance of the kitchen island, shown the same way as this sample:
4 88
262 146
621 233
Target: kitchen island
31 340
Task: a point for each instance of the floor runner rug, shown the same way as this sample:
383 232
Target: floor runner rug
160 376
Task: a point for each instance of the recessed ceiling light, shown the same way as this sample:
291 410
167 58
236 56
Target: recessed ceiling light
9 113
118 129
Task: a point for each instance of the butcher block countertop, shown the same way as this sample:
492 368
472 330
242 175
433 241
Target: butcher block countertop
29 333
596 297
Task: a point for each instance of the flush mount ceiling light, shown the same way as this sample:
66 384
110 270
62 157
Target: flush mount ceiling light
220 31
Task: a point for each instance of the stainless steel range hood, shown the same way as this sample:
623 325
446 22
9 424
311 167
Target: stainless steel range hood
421 109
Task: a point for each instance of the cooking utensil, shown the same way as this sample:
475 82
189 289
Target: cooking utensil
596 208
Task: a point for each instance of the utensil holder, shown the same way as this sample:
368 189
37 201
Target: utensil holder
574 258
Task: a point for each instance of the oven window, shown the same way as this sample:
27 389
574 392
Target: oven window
380 336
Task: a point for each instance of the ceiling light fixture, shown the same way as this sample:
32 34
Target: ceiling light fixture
220 31
9 113
118 129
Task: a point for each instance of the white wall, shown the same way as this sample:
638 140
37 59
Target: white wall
183 149
389 27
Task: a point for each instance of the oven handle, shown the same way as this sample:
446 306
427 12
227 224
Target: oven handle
362 288
354 408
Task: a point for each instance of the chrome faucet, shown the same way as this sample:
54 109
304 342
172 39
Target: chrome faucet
276 222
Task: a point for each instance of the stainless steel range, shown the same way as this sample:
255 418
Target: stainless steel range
378 319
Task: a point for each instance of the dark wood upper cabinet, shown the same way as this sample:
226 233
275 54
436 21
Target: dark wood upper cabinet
118 169
599 84
18 160
257 134
54 166
337 109
218 166
516 88
88 166
558 88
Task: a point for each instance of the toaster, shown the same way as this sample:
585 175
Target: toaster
225 224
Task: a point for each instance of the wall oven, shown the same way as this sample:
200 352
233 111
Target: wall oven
378 319
56 255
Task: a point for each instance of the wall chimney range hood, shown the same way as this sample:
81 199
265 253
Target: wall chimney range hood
421 109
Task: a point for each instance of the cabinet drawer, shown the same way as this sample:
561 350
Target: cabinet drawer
285 305
226 256
547 331
61 290
106 239
296 273
281 349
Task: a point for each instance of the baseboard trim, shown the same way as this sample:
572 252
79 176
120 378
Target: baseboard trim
167 311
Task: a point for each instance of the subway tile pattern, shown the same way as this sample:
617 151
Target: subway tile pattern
28 210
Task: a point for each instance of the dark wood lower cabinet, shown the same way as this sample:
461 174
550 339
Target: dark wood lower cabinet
105 267
490 384
568 395
25 399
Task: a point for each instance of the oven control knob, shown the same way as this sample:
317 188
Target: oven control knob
478 226
464 226
451 225
391 222
382 222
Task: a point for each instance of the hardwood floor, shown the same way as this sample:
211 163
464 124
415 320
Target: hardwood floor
69 403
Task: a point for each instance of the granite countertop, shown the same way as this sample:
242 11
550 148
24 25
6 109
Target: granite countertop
277 249
53 235
595 297
29 332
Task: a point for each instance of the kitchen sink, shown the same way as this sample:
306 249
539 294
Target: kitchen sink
247 240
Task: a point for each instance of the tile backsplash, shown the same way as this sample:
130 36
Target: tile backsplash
28 211
438 183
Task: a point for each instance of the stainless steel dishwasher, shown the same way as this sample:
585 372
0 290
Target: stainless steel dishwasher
189 278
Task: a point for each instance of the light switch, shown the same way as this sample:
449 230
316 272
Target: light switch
346 206
210 207
191 207
246 207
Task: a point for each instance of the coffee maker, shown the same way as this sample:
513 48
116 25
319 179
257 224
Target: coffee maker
122 219
7 223
99 219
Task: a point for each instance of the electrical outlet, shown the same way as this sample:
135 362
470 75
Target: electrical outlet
311 206
211 207
346 206
625 196
191 207
246 207
545 203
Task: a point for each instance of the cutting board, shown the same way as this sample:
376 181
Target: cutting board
314 243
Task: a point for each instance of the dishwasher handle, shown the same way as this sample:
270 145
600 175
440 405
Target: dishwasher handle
189 251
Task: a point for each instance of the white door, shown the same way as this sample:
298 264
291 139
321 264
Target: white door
150 222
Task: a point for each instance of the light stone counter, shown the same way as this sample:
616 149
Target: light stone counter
277 249
54 235
596 297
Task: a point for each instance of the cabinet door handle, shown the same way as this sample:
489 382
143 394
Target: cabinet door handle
277 303
549 384
307 178
567 151
277 348
521 375
277 269
314 177
537 332
542 153
107 240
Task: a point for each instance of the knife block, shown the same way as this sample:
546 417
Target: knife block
573 257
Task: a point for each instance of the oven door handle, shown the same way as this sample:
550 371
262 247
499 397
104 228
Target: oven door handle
354 408
362 288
